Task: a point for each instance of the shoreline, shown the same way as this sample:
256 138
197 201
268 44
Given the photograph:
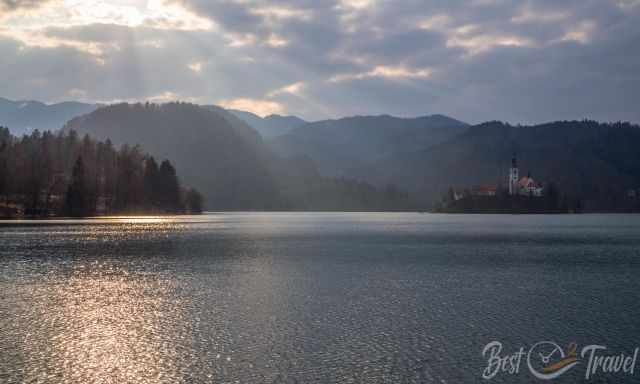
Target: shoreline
205 213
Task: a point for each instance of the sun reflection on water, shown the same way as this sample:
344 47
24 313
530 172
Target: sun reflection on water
102 324
141 219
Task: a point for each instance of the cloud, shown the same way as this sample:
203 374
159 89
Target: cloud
499 59
159 14
257 106
388 72
435 22
581 32
77 93
628 4
280 12
530 15
355 4
196 67
475 43
292 89
12 5
276 41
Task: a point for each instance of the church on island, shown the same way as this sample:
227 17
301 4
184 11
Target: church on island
514 194
515 186
525 186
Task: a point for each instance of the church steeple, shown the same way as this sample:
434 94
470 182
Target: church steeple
513 176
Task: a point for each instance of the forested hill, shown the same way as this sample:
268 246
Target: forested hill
339 145
225 163
269 126
592 161
62 174
226 160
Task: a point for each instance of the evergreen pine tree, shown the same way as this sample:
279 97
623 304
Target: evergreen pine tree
75 199
151 183
169 187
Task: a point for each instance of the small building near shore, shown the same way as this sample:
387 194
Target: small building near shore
484 190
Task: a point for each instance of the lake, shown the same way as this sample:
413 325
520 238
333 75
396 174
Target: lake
312 297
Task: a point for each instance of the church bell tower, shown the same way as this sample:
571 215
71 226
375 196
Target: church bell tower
513 176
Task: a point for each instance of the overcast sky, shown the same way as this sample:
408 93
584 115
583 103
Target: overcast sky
476 60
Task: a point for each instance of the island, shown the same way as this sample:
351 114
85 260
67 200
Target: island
516 195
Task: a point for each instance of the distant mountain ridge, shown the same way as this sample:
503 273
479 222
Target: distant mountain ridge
25 115
269 126
351 142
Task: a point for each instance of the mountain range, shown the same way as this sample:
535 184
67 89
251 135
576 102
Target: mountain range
269 126
226 159
25 115
242 161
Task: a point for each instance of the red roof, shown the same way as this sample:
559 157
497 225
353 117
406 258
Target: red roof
485 188
528 182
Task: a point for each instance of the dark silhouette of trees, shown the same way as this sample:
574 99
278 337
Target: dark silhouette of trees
77 201
60 173
152 182
552 197
551 202
129 196
107 174
5 138
162 188
169 187
193 201
36 170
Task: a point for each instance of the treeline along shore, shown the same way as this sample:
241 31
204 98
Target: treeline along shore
60 174
552 202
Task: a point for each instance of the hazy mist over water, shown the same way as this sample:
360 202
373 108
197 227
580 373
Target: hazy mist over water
309 297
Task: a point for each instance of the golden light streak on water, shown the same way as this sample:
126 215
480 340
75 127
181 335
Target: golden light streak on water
141 219
104 325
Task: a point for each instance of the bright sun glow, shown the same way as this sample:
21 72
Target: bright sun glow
45 26
257 106
28 26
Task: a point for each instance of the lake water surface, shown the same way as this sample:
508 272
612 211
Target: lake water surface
311 297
